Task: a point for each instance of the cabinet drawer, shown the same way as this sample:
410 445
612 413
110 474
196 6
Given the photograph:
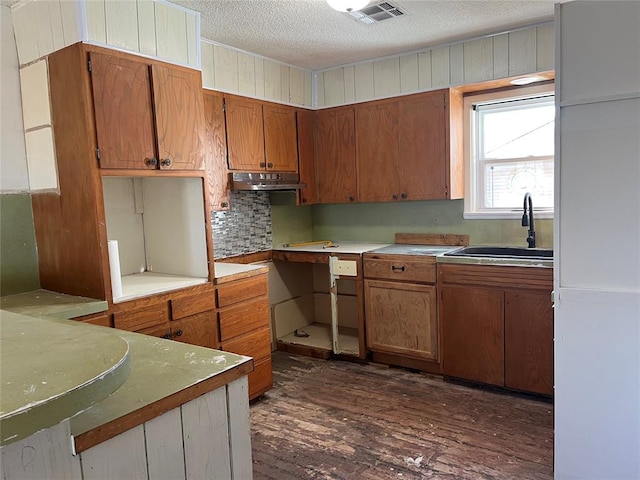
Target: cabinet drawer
400 269
143 317
187 305
260 380
96 319
241 290
256 345
243 318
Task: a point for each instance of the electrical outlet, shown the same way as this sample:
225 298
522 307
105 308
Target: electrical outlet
347 268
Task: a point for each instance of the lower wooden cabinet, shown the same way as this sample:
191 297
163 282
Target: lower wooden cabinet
243 315
497 325
401 319
187 316
400 310
473 333
528 330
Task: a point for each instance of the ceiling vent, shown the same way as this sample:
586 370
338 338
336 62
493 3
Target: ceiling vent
377 13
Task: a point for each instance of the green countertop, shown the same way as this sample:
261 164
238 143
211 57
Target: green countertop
44 303
159 368
52 369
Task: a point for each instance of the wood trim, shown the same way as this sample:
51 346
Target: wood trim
432 239
93 437
307 351
115 172
505 276
248 257
406 362
505 83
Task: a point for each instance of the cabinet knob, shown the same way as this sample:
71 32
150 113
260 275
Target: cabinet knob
269 165
262 164
178 333
151 162
224 204
403 196
395 196
351 199
165 162
304 200
167 335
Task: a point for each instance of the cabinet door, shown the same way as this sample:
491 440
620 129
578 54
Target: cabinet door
377 152
245 134
280 138
528 324
423 146
306 156
401 319
336 156
216 158
179 114
472 322
123 112
200 329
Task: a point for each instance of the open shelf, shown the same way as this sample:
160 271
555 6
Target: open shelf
320 338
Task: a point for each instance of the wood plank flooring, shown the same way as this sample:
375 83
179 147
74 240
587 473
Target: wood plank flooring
327 419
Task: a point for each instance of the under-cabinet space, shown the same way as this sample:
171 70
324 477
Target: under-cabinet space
160 232
302 312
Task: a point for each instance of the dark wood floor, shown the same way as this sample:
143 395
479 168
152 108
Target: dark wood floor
339 420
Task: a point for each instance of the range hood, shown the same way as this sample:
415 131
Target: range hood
265 181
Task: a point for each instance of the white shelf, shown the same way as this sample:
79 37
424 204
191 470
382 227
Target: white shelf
149 283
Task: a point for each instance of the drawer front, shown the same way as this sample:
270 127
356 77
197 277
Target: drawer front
400 269
187 305
242 290
256 345
103 319
141 318
261 379
243 318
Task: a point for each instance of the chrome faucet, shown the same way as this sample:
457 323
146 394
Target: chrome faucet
527 221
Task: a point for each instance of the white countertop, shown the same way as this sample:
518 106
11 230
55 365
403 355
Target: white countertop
222 269
337 247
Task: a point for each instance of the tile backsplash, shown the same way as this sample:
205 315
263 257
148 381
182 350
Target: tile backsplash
245 228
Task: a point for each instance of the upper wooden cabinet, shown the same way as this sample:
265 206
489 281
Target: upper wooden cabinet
260 136
148 116
377 151
245 134
280 138
216 154
335 166
306 156
409 148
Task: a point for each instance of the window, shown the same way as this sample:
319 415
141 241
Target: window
510 151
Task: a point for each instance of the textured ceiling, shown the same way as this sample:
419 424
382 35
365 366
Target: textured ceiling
309 34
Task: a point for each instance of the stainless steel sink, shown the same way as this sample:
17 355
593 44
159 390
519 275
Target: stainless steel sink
503 252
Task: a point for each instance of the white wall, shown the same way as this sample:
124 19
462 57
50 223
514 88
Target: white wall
13 158
523 51
597 228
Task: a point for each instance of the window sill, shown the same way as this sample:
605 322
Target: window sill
505 215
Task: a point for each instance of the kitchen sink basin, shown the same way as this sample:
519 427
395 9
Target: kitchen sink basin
503 252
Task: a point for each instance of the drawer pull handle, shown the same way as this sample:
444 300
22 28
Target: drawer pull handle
397 269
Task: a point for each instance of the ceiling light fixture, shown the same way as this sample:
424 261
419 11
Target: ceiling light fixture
348 5
527 80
